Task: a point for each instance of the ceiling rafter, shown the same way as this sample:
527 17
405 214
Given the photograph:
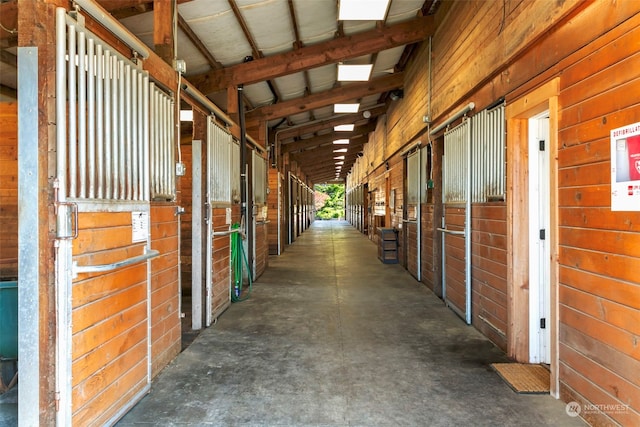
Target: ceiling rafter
8 58
329 123
257 54
328 138
188 31
344 93
297 44
8 92
308 57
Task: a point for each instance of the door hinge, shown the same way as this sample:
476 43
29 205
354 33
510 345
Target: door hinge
543 234
543 323
541 144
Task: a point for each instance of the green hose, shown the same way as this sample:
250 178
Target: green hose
237 258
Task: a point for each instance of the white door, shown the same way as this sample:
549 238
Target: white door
539 253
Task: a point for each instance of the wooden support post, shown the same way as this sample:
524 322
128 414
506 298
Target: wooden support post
232 109
35 20
163 29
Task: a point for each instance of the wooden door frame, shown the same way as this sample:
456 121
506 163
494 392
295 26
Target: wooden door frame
517 114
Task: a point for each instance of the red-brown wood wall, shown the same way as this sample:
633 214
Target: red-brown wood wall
165 287
489 270
8 190
481 53
599 292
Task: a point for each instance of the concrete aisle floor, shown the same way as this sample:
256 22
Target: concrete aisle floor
333 337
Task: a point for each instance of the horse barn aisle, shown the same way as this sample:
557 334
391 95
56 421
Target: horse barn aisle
331 336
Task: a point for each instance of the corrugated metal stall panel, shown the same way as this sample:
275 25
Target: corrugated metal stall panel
109 341
165 292
8 190
599 292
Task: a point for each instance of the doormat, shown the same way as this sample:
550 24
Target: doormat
523 378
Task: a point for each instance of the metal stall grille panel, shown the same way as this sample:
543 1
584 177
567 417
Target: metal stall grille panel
413 180
488 155
162 133
235 172
454 182
259 179
456 224
106 147
219 161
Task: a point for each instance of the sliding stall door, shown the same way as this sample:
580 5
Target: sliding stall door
456 224
114 155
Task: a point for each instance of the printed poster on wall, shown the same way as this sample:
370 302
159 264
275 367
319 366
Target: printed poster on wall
625 168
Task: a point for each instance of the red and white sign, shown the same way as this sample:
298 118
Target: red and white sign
625 168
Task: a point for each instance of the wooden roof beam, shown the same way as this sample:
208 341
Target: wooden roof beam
346 93
313 56
358 132
329 123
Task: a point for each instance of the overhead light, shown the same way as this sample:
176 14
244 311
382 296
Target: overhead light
344 128
338 158
340 163
362 10
346 108
341 150
186 115
354 73
341 141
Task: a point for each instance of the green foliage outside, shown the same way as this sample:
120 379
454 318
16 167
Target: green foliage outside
333 206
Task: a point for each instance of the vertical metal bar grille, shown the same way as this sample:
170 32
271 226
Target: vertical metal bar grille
235 171
161 145
259 175
219 155
454 185
413 183
488 155
105 152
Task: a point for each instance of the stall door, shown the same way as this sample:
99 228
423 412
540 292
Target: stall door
456 222
412 214
114 154
220 154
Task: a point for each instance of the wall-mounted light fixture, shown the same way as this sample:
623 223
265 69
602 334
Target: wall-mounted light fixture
396 94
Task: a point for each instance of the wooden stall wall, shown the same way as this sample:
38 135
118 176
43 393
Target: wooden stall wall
599 258
110 321
275 206
8 190
489 270
221 262
165 287
186 202
427 250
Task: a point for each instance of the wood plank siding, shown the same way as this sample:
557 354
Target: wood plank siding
165 287
489 270
599 254
109 319
481 53
8 190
